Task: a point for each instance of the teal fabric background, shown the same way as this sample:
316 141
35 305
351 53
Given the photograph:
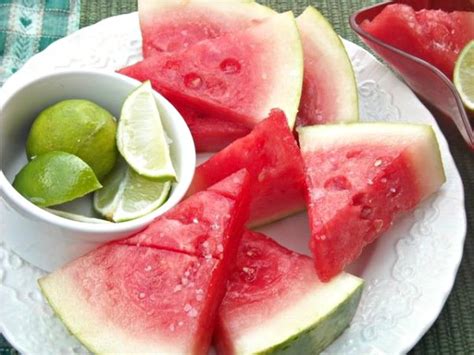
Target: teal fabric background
29 26
453 332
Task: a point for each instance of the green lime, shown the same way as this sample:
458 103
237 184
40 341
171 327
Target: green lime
79 127
54 178
140 136
127 195
464 75
77 217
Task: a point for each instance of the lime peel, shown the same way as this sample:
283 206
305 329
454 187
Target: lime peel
54 178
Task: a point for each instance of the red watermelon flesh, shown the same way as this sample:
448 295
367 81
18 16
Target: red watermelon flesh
432 35
273 159
197 226
273 301
142 296
230 76
211 134
169 26
360 177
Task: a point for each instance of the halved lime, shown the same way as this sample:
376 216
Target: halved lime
140 136
77 217
54 178
127 195
79 127
464 75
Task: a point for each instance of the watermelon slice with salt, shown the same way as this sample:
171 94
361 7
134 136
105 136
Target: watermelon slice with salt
230 76
360 177
432 35
276 303
273 159
137 296
329 85
173 25
195 226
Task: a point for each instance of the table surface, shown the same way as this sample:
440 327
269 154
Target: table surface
453 332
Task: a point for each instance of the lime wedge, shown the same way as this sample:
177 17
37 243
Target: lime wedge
54 178
77 217
464 75
140 136
127 195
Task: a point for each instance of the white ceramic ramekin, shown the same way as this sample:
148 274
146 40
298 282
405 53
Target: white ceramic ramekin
40 237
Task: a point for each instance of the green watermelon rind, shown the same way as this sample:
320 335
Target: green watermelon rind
323 35
315 338
42 288
419 141
303 325
76 323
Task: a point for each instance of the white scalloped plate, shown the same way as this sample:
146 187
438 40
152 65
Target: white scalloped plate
409 272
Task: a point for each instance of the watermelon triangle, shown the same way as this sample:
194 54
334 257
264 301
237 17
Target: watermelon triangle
229 76
171 26
273 159
360 177
276 303
142 296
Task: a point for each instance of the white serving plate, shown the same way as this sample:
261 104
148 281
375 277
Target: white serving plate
409 272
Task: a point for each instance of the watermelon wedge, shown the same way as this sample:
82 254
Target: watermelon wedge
360 177
273 159
230 76
276 303
432 35
142 296
173 25
329 85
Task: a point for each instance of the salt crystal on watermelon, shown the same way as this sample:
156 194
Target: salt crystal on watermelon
360 177
147 295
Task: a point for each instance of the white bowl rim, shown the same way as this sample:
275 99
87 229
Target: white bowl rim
8 191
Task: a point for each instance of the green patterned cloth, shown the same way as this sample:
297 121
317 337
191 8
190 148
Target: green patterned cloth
29 26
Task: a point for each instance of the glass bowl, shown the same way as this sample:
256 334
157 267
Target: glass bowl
433 87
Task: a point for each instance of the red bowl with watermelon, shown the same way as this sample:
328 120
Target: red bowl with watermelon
391 36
